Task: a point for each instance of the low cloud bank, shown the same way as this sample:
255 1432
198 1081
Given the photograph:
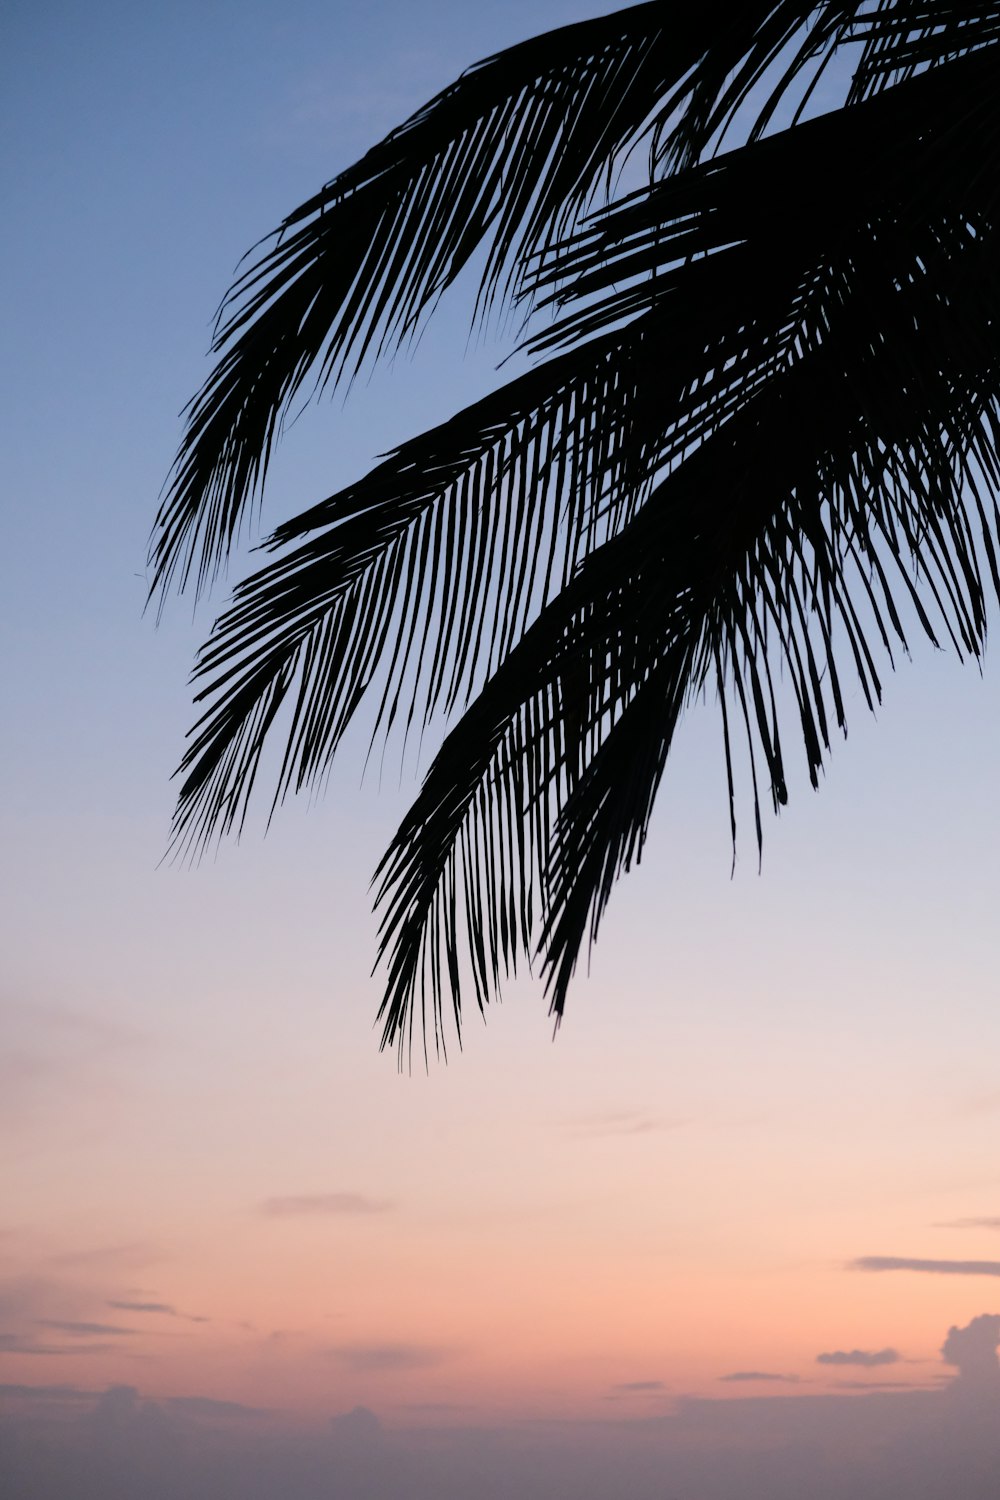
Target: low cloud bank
886 1444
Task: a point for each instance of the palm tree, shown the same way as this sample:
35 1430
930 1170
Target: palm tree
759 440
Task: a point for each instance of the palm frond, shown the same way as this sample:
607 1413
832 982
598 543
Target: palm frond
542 792
505 152
435 562
858 457
762 448
426 570
903 37
922 142
509 155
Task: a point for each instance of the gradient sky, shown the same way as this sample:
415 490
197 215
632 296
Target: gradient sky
769 1128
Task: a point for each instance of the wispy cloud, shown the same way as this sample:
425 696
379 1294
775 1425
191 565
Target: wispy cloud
377 1358
879 1385
185 1406
320 1204
157 1309
85 1330
983 1223
739 1376
16 1343
868 1359
146 1307
931 1267
632 1387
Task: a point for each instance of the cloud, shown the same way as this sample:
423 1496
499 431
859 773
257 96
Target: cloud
159 1309
123 1401
867 1358
46 1393
973 1350
365 1359
359 1428
120 1412
739 1376
870 1441
981 1223
84 1330
933 1267
146 1307
627 1386
320 1204
207 1406
32 1310
878 1385
16 1343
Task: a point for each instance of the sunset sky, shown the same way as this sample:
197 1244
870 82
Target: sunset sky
761 1159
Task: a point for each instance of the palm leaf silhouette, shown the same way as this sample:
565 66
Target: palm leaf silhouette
761 437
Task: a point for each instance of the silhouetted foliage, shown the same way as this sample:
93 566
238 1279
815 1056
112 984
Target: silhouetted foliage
760 438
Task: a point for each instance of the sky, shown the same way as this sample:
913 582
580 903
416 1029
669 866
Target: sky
736 1225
